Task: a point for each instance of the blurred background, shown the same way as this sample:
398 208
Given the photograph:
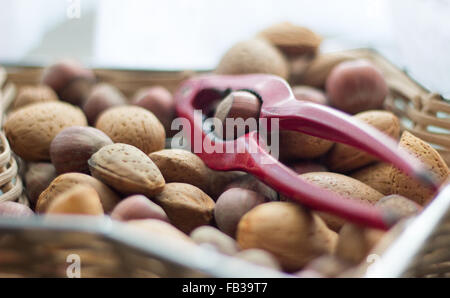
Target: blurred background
181 34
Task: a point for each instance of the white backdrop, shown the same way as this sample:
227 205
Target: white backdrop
180 34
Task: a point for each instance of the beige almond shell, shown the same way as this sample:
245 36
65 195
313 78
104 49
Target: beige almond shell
162 228
34 94
31 129
187 206
67 181
399 205
297 145
178 165
253 56
431 160
344 158
134 126
376 176
288 231
344 186
80 199
126 169
292 39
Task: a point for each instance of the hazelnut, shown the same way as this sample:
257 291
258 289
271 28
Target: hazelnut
37 178
73 146
70 80
356 86
160 102
232 205
14 209
102 97
138 207
238 104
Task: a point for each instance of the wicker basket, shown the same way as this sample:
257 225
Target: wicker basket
10 182
112 253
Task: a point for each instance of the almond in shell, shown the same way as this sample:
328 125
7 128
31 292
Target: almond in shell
376 176
187 206
292 39
31 129
134 126
344 158
288 231
81 199
64 182
178 165
431 160
127 169
344 186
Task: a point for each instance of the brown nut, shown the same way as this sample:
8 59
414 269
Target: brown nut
31 129
102 97
208 235
66 181
80 199
258 257
237 105
356 242
292 234
431 160
296 145
160 102
177 165
303 167
187 206
138 207
319 68
376 176
70 80
298 65
134 126
37 178
253 56
311 94
400 206
73 146
34 94
232 205
160 228
292 39
356 86
344 186
14 209
248 181
344 158
126 169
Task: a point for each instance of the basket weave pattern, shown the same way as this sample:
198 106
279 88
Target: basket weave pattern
10 182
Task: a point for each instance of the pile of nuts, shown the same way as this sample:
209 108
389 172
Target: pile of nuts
119 166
